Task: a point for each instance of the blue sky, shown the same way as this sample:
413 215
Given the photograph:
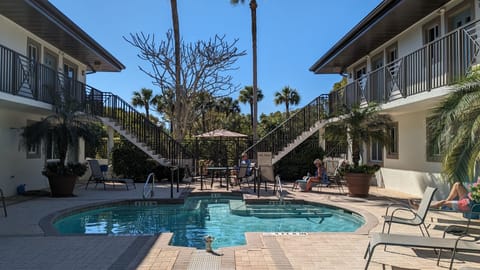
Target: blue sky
292 35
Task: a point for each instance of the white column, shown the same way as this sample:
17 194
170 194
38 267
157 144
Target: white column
321 138
349 148
81 150
110 143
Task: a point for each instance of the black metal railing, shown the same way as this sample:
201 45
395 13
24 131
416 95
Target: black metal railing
299 122
113 107
438 63
27 78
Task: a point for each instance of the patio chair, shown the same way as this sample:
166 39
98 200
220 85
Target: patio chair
243 177
416 217
98 178
459 244
466 240
332 167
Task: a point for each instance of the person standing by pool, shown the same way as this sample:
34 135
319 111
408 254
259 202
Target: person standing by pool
319 177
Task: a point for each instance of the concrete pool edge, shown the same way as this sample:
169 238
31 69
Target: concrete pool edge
46 223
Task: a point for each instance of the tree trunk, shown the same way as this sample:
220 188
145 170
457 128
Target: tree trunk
253 8
178 90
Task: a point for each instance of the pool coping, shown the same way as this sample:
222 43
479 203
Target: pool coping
46 223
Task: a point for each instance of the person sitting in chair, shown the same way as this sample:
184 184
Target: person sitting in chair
319 177
457 200
246 162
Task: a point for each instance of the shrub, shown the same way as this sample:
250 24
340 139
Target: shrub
131 162
300 161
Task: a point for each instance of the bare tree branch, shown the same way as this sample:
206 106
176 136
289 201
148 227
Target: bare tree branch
204 68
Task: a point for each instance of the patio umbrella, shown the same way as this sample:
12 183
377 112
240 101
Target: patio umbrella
222 134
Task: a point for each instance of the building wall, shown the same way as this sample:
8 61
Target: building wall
15 37
411 172
15 168
412 143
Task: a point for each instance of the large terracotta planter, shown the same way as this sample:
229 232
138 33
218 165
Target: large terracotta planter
358 184
62 185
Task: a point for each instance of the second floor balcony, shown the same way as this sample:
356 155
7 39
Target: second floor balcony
27 78
437 64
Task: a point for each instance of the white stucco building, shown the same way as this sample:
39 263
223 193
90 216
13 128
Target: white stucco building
405 55
41 51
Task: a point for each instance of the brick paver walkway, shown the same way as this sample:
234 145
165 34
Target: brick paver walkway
24 245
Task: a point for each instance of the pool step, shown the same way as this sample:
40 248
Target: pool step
276 211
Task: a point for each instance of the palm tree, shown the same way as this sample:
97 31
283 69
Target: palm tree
287 96
178 66
228 106
247 96
253 11
360 125
63 128
165 106
143 99
456 127
204 103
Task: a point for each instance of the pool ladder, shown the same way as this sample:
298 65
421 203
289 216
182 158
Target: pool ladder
149 187
279 191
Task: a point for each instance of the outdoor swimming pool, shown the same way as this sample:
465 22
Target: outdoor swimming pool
226 218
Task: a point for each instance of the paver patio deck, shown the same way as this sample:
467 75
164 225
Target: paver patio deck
26 246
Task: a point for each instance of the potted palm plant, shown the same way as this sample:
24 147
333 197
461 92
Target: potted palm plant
64 128
359 125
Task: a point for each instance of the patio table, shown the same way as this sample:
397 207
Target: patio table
219 171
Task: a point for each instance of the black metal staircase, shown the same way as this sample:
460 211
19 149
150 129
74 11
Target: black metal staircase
294 130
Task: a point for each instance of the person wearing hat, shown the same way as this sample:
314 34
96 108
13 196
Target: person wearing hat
319 177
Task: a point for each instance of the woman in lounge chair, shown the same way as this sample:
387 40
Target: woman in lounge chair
319 177
457 200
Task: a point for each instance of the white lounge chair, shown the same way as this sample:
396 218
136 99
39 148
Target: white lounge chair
459 244
416 217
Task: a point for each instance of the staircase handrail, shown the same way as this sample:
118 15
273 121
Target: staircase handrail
334 148
320 106
114 107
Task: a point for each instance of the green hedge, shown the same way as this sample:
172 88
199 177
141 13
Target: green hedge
131 162
300 161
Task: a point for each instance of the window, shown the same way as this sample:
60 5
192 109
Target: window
392 53
433 147
432 33
392 150
376 151
51 152
33 149
69 70
460 17
33 54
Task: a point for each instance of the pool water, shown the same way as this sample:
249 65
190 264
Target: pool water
225 218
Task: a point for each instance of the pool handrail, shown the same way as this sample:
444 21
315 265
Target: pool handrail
3 202
148 193
280 189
